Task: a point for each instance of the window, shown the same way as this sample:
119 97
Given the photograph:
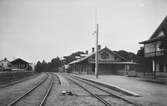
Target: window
105 55
150 47
161 34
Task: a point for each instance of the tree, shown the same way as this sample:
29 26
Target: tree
55 64
127 55
144 63
50 66
44 66
38 67
140 52
72 57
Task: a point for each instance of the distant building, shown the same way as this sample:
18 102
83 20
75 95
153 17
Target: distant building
153 48
109 63
5 65
20 64
61 69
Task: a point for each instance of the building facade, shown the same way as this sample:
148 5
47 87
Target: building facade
109 62
155 48
20 64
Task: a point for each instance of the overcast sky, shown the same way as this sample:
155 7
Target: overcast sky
43 29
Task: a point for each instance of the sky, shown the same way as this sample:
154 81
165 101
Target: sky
44 29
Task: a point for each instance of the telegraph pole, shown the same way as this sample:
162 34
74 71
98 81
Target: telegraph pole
96 57
96 46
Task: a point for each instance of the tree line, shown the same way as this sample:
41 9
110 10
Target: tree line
51 66
55 64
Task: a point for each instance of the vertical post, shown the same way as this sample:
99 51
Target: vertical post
96 57
154 68
155 62
125 70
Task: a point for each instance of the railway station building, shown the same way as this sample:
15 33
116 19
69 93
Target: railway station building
20 64
109 62
155 49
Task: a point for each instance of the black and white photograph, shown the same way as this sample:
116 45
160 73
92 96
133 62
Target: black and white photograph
83 52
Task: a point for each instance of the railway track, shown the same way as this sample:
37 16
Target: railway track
32 90
94 95
47 92
78 82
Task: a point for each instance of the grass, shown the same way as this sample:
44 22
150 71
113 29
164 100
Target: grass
8 77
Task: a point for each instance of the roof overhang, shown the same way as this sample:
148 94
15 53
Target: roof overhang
113 62
152 40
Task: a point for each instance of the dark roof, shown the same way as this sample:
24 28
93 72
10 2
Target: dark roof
19 60
92 54
155 37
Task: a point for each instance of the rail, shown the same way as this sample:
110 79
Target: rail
94 95
28 92
47 93
94 85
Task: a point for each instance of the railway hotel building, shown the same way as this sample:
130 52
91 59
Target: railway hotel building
155 48
109 63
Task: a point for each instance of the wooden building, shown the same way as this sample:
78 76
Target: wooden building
109 63
20 64
153 49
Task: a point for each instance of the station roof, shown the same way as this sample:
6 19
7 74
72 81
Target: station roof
19 60
159 34
103 61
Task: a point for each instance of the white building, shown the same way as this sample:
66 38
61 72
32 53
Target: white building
5 65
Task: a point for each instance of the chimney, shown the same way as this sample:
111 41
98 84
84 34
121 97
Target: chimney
86 51
99 47
93 49
5 58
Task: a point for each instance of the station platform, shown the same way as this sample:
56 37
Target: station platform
145 91
108 80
